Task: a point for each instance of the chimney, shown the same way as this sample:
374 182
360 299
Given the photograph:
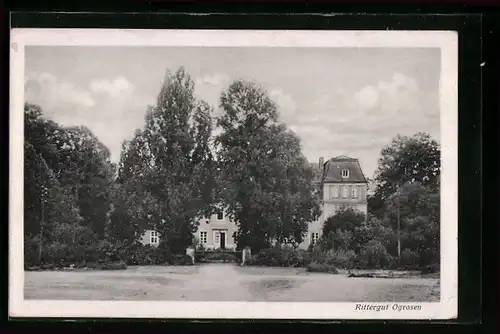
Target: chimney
321 162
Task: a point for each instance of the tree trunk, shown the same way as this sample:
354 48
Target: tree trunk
40 250
398 228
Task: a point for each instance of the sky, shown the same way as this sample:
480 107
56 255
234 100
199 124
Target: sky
339 101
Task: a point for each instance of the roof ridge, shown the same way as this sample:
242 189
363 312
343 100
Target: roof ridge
343 157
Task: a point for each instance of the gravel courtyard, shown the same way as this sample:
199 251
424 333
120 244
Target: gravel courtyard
224 282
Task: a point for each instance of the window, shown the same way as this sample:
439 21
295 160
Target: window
314 237
203 237
345 192
154 237
354 192
345 173
335 192
220 215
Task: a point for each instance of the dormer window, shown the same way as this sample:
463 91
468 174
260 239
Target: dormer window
220 215
345 173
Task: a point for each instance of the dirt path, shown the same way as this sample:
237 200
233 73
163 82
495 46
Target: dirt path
224 282
221 281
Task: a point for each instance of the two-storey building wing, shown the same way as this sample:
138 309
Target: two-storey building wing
342 184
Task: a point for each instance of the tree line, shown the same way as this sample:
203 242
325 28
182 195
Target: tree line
175 170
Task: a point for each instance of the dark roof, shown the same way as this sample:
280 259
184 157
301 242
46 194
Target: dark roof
333 170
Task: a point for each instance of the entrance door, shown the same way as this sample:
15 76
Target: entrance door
223 240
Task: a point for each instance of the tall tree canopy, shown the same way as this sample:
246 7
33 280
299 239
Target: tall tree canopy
407 196
405 160
166 172
67 177
78 161
266 182
419 211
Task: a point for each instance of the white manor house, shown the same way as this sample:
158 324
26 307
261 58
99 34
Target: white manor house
344 185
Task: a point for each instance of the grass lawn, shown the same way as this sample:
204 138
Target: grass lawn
224 282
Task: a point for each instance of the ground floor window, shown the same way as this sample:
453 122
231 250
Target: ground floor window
154 237
314 237
203 237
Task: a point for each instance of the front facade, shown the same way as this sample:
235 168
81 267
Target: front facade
342 185
216 232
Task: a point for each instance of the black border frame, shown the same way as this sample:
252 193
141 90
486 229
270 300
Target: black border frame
469 27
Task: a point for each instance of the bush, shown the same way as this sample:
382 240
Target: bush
145 255
120 265
181 260
322 268
30 251
344 220
93 265
431 269
341 258
374 255
410 259
285 256
221 257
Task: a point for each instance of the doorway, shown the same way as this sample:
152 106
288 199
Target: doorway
222 240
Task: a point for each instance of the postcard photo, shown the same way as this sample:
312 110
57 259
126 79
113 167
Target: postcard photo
233 174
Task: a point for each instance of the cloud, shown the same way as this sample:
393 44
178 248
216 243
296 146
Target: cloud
367 97
209 87
398 103
47 87
350 120
361 122
112 87
215 79
112 108
284 101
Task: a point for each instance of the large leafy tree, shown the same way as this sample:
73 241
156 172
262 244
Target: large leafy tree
418 207
89 171
48 203
340 230
344 219
407 159
78 161
166 172
265 181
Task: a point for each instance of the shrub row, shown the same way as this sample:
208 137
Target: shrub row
214 257
117 265
279 257
322 268
374 256
100 255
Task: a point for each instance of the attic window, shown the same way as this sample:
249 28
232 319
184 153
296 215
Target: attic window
345 173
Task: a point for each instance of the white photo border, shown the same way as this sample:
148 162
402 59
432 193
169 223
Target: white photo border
447 41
